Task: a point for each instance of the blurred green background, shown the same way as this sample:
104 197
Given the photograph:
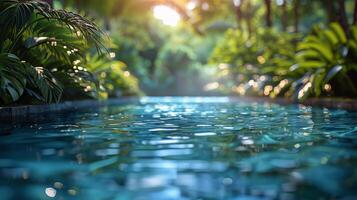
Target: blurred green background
78 49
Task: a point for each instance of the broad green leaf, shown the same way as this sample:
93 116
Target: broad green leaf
311 38
308 54
331 37
15 95
317 81
336 27
352 44
312 64
323 49
12 78
333 72
48 86
353 31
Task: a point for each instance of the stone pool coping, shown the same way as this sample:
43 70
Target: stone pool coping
25 113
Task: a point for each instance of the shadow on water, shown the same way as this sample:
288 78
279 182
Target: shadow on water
182 148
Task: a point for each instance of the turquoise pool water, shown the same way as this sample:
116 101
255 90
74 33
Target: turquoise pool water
182 148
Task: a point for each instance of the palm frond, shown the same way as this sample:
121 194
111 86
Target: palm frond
40 79
80 26
40 36
16 16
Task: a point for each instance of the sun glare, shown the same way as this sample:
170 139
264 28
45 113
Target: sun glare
167 15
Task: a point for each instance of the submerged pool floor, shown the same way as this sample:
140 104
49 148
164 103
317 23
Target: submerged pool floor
183 148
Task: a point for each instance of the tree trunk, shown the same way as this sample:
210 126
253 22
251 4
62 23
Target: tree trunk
342 16
268 16
296 15
239 14
249 16
331 10
355 14
284 16
107 24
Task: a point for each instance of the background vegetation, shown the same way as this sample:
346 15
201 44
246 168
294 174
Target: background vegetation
58 50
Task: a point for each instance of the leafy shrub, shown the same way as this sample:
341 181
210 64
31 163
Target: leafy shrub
256 61
325 57
127 51
38 46
270 64
18 77
42 57
113 77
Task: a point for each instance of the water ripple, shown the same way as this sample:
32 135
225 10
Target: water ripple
183 148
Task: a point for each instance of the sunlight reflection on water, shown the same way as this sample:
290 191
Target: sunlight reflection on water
183 148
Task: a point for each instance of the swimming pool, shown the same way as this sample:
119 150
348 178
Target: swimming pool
183 148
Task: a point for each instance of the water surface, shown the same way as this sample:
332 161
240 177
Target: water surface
183 148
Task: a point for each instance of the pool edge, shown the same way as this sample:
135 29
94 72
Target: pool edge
21 113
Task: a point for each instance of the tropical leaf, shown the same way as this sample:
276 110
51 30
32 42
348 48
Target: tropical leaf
14 15
42 36
80 26
308 64
353 31
331 37
327 61
12 78
318 81
40 79
320 47
308 54
336 27
333 72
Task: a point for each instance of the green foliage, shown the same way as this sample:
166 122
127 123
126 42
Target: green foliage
131 55
137 49
255 61
12 78
41 56
322 57
17 77
179 72
113 77
37 44
174 62
267 49
269 64
48 55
